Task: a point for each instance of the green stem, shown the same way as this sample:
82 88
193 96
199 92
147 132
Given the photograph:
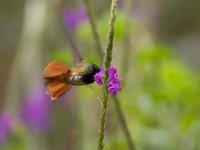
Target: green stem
123 123
107 64
94 28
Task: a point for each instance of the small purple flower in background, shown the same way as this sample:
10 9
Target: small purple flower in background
36 111
74 18
114 80
6 121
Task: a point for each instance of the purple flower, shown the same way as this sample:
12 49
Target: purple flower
99 76
36 111
113 73
114 87
74 18
5 126
114 80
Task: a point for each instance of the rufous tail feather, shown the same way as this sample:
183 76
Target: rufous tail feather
53 75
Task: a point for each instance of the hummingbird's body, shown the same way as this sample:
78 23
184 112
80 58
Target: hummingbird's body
81 75
60 77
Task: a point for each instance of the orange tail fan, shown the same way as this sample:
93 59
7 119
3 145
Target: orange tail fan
53 74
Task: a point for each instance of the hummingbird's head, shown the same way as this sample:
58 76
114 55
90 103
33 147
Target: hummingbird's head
89 73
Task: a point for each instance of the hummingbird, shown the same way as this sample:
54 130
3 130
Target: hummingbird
60 77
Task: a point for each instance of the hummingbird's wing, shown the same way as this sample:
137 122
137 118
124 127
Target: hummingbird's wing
95 89
54 69
53 75
56 89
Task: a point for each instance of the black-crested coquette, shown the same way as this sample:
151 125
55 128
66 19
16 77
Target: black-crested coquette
59 77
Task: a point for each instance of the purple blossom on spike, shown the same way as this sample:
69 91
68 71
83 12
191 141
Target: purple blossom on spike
114 80
114 87
74 18
113 73
5 126
36 111
99 76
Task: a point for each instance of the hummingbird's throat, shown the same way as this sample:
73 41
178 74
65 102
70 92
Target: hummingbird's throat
76 79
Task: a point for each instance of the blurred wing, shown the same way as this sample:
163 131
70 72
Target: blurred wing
56 89
55 68
53 75
95 89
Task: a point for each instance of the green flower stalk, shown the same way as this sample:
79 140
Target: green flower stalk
119 110
107 64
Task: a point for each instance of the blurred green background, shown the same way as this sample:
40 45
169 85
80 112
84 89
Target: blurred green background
157 53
